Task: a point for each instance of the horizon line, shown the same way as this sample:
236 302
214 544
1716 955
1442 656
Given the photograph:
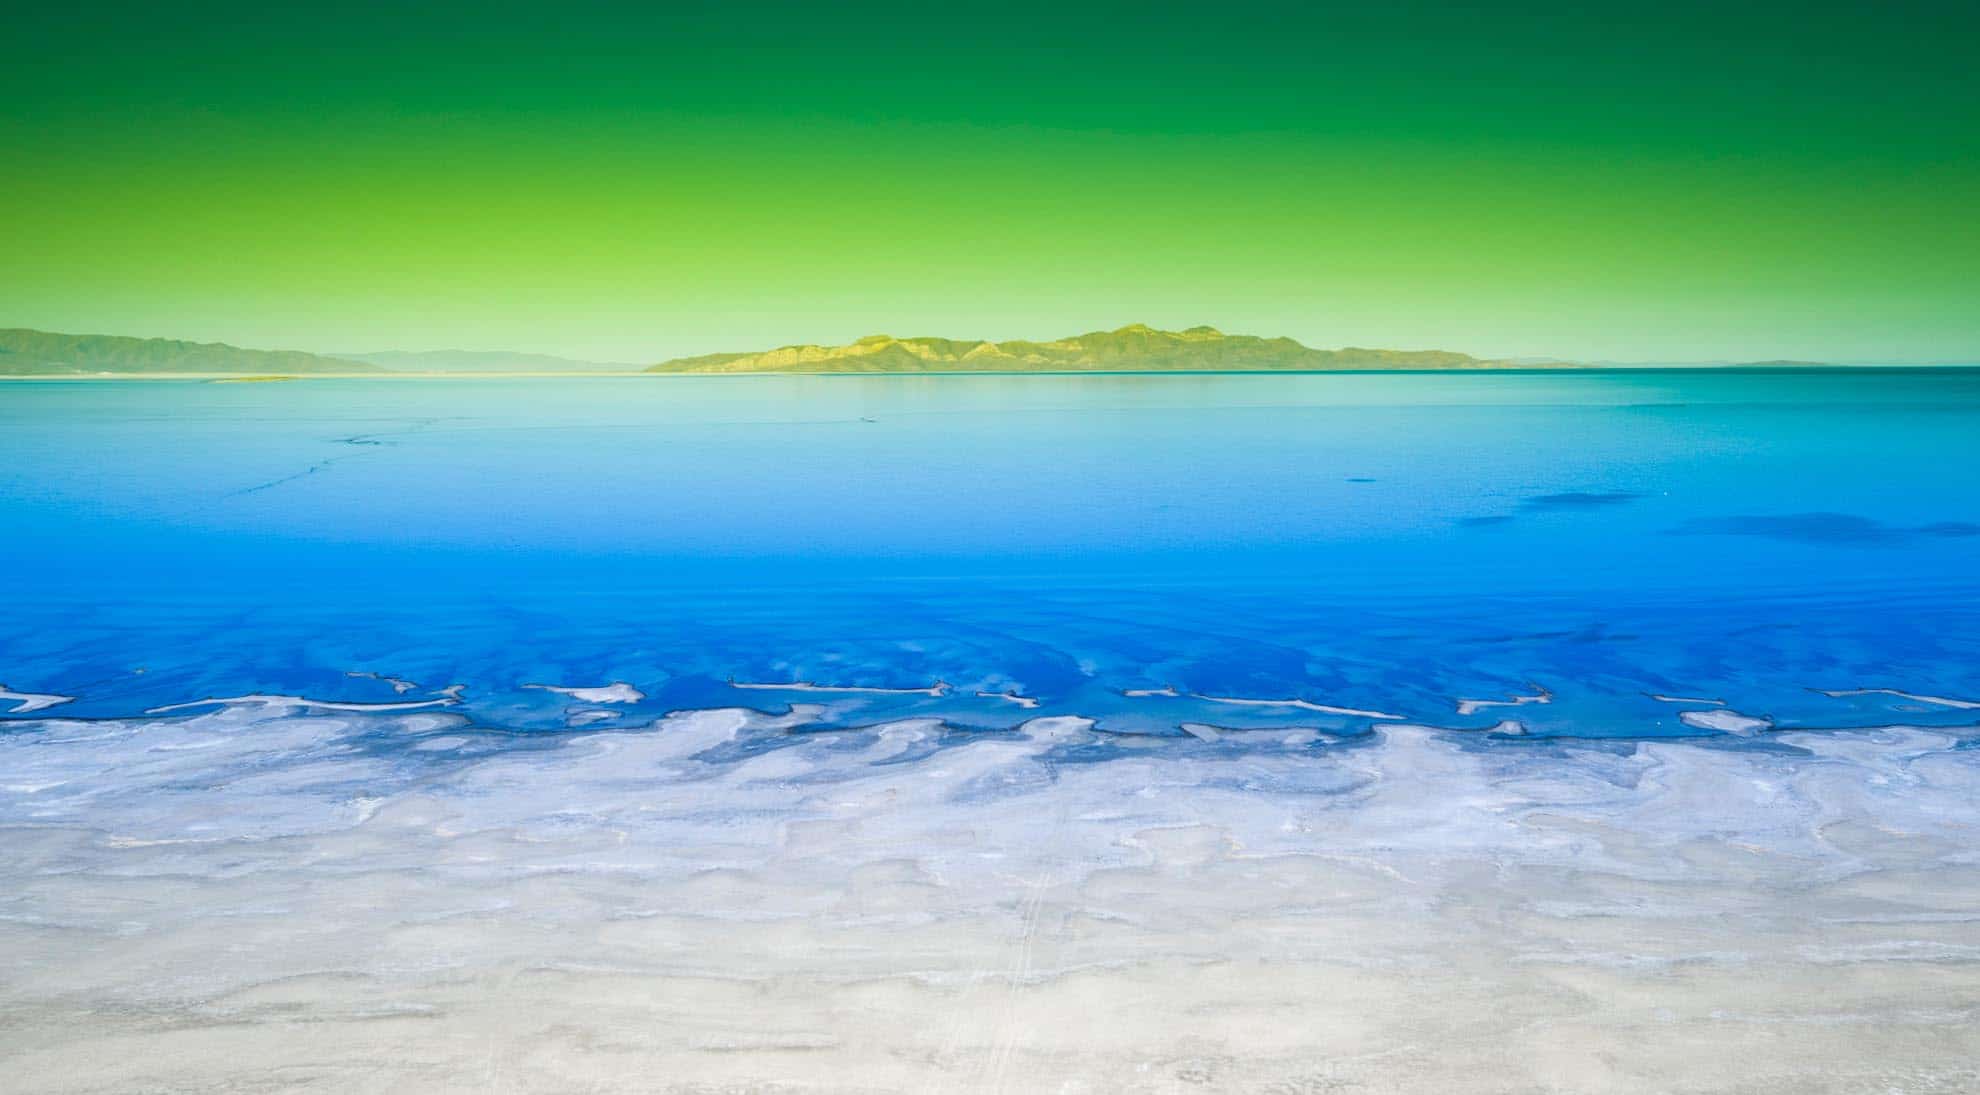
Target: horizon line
612 367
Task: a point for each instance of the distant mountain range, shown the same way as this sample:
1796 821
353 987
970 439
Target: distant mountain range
484 361
1131 349
25 352
1134 348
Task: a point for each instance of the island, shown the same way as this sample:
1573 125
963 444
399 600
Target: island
1136 348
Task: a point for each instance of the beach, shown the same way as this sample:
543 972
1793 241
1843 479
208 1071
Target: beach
624 913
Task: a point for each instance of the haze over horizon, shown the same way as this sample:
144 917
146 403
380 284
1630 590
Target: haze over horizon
615 184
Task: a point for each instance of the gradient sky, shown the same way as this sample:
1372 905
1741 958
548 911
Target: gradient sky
625 182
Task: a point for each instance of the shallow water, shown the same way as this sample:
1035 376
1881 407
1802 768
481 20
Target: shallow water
1382 542
1471 683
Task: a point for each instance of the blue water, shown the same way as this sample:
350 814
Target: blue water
1390 543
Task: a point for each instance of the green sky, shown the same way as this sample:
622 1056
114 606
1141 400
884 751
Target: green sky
635 182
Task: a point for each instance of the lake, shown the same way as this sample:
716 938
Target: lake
939 684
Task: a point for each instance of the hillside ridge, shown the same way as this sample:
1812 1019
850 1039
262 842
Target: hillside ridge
1136 347
28 352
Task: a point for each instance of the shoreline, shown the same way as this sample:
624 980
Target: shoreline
851 912
1531 370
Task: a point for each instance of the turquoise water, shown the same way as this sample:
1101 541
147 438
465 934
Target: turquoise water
1393 543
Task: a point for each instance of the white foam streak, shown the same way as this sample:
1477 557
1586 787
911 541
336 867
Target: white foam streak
293 702
1472 707
1730 722
399 684
939 688
1941 701
26 702
616 692
1299 704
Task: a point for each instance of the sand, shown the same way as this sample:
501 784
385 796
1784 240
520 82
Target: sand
858 913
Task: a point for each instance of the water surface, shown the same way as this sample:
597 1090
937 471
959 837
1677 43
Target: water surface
1383 542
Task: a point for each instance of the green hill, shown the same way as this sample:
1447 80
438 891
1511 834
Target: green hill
25 352
1134 348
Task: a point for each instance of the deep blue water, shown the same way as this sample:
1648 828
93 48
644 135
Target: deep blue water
1391 543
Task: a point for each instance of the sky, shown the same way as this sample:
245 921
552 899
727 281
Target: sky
1662 182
